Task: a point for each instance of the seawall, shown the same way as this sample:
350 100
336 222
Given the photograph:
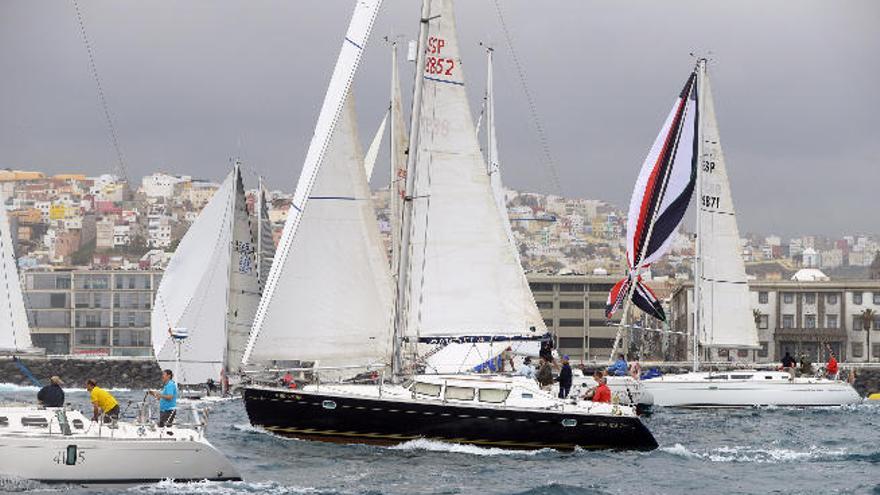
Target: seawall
108 372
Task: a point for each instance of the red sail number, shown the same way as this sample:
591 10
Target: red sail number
440 66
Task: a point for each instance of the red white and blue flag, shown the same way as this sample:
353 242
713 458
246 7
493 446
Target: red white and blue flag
659 201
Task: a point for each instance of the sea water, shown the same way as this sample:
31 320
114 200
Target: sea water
766 450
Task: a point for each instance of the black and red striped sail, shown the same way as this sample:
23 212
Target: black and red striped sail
659 200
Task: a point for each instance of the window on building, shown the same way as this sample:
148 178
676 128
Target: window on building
597 304
857 298
571 287
596 322
809 298
92 337
810 321
545 304
830 321
743 353
875 350
58 300
763 297
831 298
131 338
540 287
572 342
857 322
787 297
601 287
571 305
764 322
858 349
597 343
571 322
763 351
723 353
877 298
548 322
876 323
54 343
787 321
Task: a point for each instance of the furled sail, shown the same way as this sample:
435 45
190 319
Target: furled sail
15 333
265 239
726 318
193 292
659 200
465 281
328 296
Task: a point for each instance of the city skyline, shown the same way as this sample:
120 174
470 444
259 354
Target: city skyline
234 81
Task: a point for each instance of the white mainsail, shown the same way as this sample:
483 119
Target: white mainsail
726 318
464 274
373 150
243 295
15 334
193 292
328 296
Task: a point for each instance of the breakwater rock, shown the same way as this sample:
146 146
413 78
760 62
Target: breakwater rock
110 373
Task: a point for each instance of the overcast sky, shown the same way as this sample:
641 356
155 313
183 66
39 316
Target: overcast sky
193 83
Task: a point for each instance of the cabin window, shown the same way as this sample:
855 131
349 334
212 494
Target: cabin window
35 421
526 395
460 393
493 395
716 377
740 377
4 421
78 424
429 389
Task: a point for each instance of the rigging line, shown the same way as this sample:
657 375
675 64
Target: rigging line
549 162
102 98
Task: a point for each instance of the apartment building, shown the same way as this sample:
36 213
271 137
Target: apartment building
801 317
91 312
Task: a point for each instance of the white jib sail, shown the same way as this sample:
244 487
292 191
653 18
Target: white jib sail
15 333
243 295
373 150
726 318
193 293
465 277
324 297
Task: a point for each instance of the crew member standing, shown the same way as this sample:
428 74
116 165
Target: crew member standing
831 367
167 399
564 378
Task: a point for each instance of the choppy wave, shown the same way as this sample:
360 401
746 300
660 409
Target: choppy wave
435 446
758 455
15 485
561 489
224 488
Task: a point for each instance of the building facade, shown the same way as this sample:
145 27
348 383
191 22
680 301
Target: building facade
801 318
573 308
94 312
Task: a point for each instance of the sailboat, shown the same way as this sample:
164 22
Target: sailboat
211 289
15 334
456 274
687 156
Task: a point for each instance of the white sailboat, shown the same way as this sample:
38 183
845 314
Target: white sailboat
723 314
329 297
15 334
211 288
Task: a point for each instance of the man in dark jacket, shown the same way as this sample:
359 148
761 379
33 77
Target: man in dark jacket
545 375
564 378
52 395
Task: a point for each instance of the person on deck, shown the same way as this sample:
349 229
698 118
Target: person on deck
603 393
52 395
545 375
789 365
565 378
167 399
806 366
102 402
831 368
286 380
591 392
619 368
507 357
527 370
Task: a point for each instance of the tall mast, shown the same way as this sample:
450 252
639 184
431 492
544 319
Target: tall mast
402 267
698 259
258 215
491 159
393 196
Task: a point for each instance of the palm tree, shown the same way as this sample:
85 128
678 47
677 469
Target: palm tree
756 313
868 316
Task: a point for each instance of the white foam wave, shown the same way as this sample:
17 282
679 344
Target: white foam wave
248 428
221 488
435 446
755 454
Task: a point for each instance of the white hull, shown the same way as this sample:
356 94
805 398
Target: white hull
761 388
128 454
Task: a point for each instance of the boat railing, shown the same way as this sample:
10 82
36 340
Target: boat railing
316 375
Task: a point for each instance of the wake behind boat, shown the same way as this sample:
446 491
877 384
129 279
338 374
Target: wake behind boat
61 445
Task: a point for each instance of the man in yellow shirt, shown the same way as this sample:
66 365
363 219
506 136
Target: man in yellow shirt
102 401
